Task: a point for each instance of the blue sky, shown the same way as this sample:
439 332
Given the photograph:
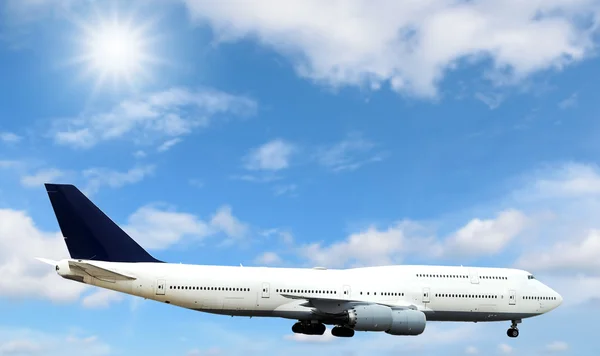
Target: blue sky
300 134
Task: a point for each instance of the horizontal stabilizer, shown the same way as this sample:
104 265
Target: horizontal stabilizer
47 261
99 272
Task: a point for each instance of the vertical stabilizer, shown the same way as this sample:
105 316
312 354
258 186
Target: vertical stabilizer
88 232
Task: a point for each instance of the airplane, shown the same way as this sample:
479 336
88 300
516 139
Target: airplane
397 300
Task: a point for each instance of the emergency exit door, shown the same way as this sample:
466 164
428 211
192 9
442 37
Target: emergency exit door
160 287
426 295
266 290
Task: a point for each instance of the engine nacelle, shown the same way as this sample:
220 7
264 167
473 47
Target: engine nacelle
407 322
381 318
370 318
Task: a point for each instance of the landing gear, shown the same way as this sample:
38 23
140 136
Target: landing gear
297 328
309 328
341 331
513 331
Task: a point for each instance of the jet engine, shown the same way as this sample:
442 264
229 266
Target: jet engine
407 322
370 318
381 318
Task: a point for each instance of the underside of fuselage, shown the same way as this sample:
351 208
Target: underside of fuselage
449 316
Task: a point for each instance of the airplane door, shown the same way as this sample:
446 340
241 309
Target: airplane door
160 287
425 295
265 290
512 297
474 276
346 291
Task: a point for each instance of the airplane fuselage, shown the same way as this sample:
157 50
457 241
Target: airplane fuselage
443 293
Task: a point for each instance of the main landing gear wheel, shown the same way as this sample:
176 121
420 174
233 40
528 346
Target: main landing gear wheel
308 328
513 331
341 331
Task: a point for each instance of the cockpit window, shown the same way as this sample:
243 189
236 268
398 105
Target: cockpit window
530 277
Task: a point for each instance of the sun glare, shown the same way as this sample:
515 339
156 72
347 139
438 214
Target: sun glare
115 51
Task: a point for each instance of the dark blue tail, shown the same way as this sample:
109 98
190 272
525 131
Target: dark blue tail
88 232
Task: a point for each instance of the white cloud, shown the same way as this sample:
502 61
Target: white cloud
264 177
24 11
557 346
569 180
505 349
575 288
349 154
98 177
368 247
5 164
19 347
569 241
471 350
36 180
573 254
493 101
555 209
155 228
374 246
268 258
288 189
569 102
167 114
168 144
407 44
101 298
20 341
20 242
196 183
10 137
486 237
158 229
139 154
224 220
285 236
271 156
213 351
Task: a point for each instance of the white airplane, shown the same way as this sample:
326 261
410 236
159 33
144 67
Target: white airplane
398 300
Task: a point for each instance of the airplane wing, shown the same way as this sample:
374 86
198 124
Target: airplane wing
335 306
99 272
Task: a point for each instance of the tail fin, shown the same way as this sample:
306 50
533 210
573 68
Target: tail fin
88 232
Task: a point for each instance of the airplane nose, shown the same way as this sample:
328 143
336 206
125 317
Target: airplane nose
559 299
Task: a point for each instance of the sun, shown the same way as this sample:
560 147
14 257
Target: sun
116 51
